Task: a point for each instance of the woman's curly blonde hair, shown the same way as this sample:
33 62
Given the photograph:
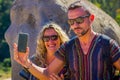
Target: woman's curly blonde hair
41 49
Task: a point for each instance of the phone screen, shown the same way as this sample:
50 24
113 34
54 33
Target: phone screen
22 42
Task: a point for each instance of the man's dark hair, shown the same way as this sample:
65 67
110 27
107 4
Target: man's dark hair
76 5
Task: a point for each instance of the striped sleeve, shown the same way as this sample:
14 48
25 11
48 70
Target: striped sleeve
114 50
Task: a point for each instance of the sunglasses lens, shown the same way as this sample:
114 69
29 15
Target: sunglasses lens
54 37
71 22
79 20
47 38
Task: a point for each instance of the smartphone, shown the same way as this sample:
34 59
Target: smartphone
22 42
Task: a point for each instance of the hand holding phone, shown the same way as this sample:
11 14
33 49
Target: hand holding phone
22 42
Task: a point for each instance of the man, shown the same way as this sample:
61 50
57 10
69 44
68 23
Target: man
89 55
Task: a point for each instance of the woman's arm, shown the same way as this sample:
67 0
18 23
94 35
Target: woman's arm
44 73
40 73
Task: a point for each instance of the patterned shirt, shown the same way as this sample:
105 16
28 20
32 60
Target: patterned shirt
96 64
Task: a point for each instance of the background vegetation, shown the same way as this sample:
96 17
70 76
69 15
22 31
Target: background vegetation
5 65
112 7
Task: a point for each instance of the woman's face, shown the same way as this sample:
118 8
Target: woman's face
51 40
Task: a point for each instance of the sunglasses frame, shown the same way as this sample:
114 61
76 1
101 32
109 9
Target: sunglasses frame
51 37
78 20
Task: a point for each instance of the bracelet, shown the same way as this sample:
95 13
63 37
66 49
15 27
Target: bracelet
28 67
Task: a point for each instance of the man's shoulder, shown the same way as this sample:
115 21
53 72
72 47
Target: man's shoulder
103 36
104 39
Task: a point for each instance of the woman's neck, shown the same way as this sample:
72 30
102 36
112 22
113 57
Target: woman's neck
49 57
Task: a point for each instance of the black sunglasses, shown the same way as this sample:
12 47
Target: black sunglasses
52 37
78 20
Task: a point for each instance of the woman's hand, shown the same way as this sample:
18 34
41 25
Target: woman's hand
56 77
20 57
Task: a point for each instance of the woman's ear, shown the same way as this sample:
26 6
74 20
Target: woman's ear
92 17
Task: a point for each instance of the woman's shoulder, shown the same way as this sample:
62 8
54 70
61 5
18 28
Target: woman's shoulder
36 59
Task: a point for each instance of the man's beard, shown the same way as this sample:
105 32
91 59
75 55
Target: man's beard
83 33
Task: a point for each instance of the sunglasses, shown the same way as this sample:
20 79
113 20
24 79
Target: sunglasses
78 20
52 37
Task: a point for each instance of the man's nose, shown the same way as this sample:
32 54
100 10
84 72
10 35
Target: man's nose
75 24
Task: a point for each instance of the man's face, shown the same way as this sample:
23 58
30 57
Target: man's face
79 21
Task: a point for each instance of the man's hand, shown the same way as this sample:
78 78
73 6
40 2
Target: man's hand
56 77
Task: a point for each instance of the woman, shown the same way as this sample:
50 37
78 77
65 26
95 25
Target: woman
49 40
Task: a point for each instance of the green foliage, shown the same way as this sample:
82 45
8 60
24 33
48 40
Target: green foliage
4 16
4 24
5 72
97 4
117 18
109 6
4 50
6 62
